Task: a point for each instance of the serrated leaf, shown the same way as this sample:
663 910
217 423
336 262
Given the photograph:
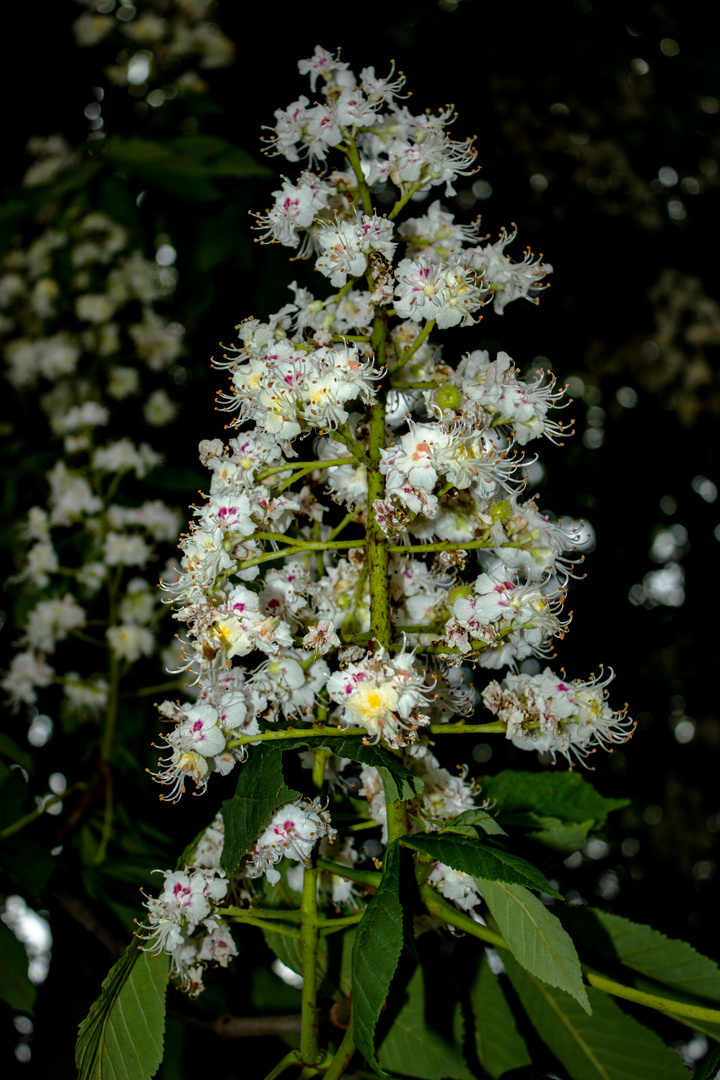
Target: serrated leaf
668 961
609 1045
535 937
414 1049
376 952
260 791
15 986
480 860
566 836
399 783
121 1038
470 821
500 1046
564 795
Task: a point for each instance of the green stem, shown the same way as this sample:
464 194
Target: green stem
414 386
262 913
270 927
322 732
363 877
309 941
347 520
441 909
404 199
652 1001
412 349
376 542
449 914
343 1055
106 748
331 926
293 1058
52 800
397 819
354 159
298 549
294 465
441 545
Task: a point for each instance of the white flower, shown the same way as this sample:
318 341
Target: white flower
553 715
447 293
454 885
293 832
383 694
51 620
129 641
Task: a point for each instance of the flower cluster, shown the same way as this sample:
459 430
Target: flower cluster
553 715
364 548
79 332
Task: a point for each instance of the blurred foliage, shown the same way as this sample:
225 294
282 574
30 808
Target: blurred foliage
579 109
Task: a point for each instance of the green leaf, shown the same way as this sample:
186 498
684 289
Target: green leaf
29 864
564 795
15 753
566 836
121 1038
710 1067
15 986
260 791
668 961
467 823
413 1048
376 953
500 1046
289 951
480 860
609 1045
535 937
399 783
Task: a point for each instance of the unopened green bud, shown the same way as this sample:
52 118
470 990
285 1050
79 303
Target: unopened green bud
448 397
500 511
458 591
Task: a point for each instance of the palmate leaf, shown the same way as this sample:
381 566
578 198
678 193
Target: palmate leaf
500 1046
378 944
413 1048
609 1045
668 961
260 791
535 937
564 795
480 860
121 1038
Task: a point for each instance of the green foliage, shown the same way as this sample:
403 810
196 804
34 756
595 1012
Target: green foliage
122 1036
480 860
709 1069
609 1045
468 823
15 986
666 960
558 808
260 791
398 782
500 1046
535 937
186 166
413 1046
376 952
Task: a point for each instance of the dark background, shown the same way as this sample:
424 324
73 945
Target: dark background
552 93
